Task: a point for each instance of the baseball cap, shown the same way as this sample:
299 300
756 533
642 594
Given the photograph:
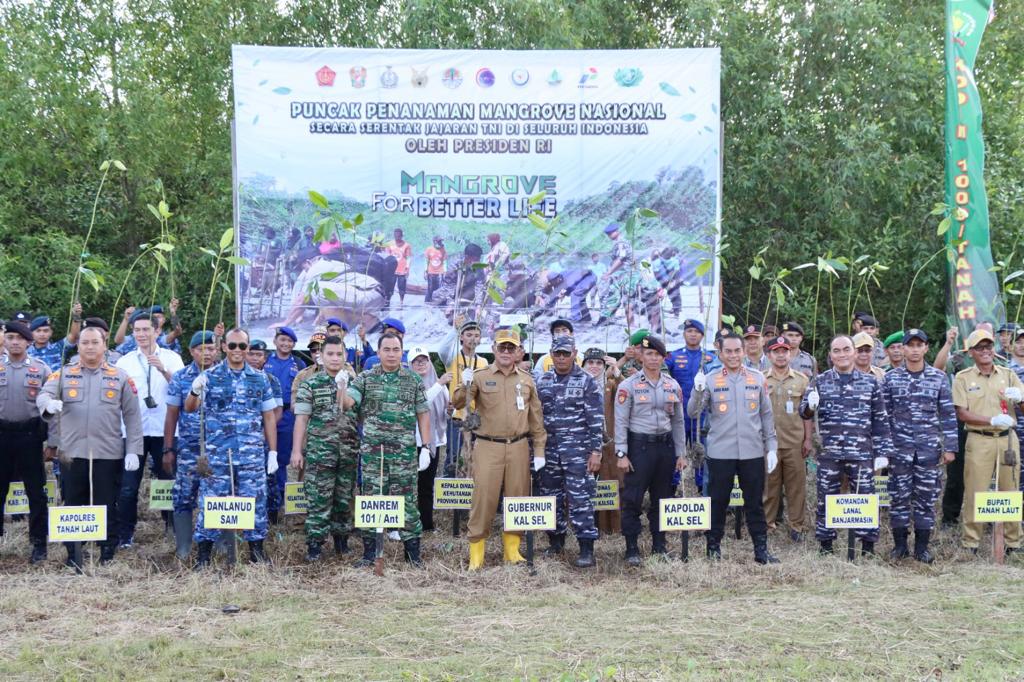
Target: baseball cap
915 334
563 343
417 351
593 354
977 336
752 330
778 342
863 339
506 336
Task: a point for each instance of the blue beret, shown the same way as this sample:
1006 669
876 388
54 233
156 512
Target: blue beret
258 344
612 227
335 321
41 321
563 343
287 331
199 338
693 324
394 324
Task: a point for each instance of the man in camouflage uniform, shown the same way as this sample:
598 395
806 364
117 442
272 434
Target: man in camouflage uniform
922 420
325 446
390 401
51 353
186 455
574 421
622 281
235 397
853 426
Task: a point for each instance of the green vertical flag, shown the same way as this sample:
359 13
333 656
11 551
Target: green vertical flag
975 291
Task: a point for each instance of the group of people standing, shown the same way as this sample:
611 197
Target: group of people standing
382 421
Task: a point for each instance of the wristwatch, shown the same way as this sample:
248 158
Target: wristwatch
620 454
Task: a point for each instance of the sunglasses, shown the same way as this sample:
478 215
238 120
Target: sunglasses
237 346
561 353
506 348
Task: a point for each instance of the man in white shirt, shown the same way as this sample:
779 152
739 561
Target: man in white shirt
150 368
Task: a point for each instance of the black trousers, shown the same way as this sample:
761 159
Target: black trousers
953 495
106 483
654 463
21 458
720 477
425 492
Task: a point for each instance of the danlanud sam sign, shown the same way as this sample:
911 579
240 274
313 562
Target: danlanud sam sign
440 151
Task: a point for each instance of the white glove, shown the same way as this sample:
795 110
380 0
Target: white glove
772 459
700 382
881 463
54 406
1002 421
813 399
131 462
272 462
467 376
538 463
1013 394
424 458
199 383
341 380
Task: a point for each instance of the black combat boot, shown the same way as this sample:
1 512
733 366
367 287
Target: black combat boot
74 560
273 516
256 553
586 557
369 553
632 551
38 553
313 551
341 544
658 545
713 548
412 552
921 538
826 548
761 554
556 544
203 554
899 538
107 551
867 548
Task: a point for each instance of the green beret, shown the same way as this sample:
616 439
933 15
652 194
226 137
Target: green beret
895 337
638 336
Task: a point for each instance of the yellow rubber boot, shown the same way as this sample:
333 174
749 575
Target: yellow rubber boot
511 542
476 554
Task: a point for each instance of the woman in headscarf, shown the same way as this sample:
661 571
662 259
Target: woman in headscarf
437 400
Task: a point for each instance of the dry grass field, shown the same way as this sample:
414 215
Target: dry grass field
147 617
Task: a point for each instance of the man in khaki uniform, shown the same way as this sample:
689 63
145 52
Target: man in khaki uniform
510 412
785 388
979 394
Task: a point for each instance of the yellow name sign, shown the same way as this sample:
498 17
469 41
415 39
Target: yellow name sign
607 497
160 495
685 513
851 511
529 513
294 498
453 493
380 511
736 496
997 506
17 501
882 490
229 513
78 524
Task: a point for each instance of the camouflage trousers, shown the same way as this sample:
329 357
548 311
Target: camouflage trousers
862 480
565 476
913 484
329 486
185 491
250 481
393 470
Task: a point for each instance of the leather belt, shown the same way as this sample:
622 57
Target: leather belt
651 437
989 434
506 440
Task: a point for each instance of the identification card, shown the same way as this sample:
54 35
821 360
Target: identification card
520 403
789 407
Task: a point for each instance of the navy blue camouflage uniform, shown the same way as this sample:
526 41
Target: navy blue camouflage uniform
853 427
1019 428
573 406
922 420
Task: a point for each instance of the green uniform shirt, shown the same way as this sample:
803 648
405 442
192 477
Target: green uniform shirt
387 403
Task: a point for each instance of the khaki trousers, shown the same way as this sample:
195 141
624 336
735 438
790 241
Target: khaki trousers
495 464
791 475
982 456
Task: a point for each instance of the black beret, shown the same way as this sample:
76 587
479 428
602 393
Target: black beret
655 343
19 328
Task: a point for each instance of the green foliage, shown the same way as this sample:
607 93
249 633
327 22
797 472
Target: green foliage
832 113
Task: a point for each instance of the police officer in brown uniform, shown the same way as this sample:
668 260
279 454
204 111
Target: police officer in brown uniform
510 413
650 443
22 432
786 387
982 395
93 400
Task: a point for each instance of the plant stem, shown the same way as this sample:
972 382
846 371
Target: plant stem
910 292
